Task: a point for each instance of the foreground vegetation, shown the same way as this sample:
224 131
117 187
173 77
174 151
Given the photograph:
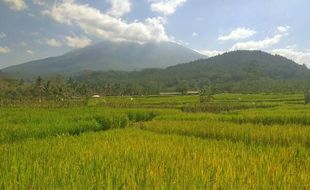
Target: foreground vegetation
259 141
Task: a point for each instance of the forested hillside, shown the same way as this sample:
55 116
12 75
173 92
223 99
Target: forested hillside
239 72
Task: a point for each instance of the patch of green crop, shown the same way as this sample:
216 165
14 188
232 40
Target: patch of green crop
236 141
134 159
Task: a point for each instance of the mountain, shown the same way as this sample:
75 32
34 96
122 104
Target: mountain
230 71
240 65
104 56
235 66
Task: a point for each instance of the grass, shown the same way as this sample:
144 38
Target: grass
152 143
247 133
134 159
23 123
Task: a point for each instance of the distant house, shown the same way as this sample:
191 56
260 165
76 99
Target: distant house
96 96
192 92
170 93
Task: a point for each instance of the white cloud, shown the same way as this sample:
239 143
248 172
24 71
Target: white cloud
194 34
181 42
119 7
77 42
30 51
2 35
5 50
283 29
210 53
166 7
280 32
17 5
53 42
299 57
104 26
257 45
237 34
262 44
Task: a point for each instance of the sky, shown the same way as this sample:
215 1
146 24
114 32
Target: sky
35 29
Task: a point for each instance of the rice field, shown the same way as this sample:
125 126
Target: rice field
237 141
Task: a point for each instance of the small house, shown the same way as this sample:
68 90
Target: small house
96 96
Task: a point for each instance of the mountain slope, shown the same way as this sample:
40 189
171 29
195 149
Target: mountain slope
238 65
255 70
104 56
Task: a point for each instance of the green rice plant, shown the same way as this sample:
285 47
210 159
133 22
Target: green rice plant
282 115
247 133
70 147
134 159
115 121
21 123
223 107
142 115
259 98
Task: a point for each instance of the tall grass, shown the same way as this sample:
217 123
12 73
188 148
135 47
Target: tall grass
247 133
22 123
102 146
223 107
133 159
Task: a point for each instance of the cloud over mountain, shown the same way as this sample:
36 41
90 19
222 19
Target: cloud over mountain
17 5
53 42
166 7
301 57
77 42
108 27
5 49
262 44
237 34
119 7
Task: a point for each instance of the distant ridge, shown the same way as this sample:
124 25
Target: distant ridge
242 64
105 56
232 72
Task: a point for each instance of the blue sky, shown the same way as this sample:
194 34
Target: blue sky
33 29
